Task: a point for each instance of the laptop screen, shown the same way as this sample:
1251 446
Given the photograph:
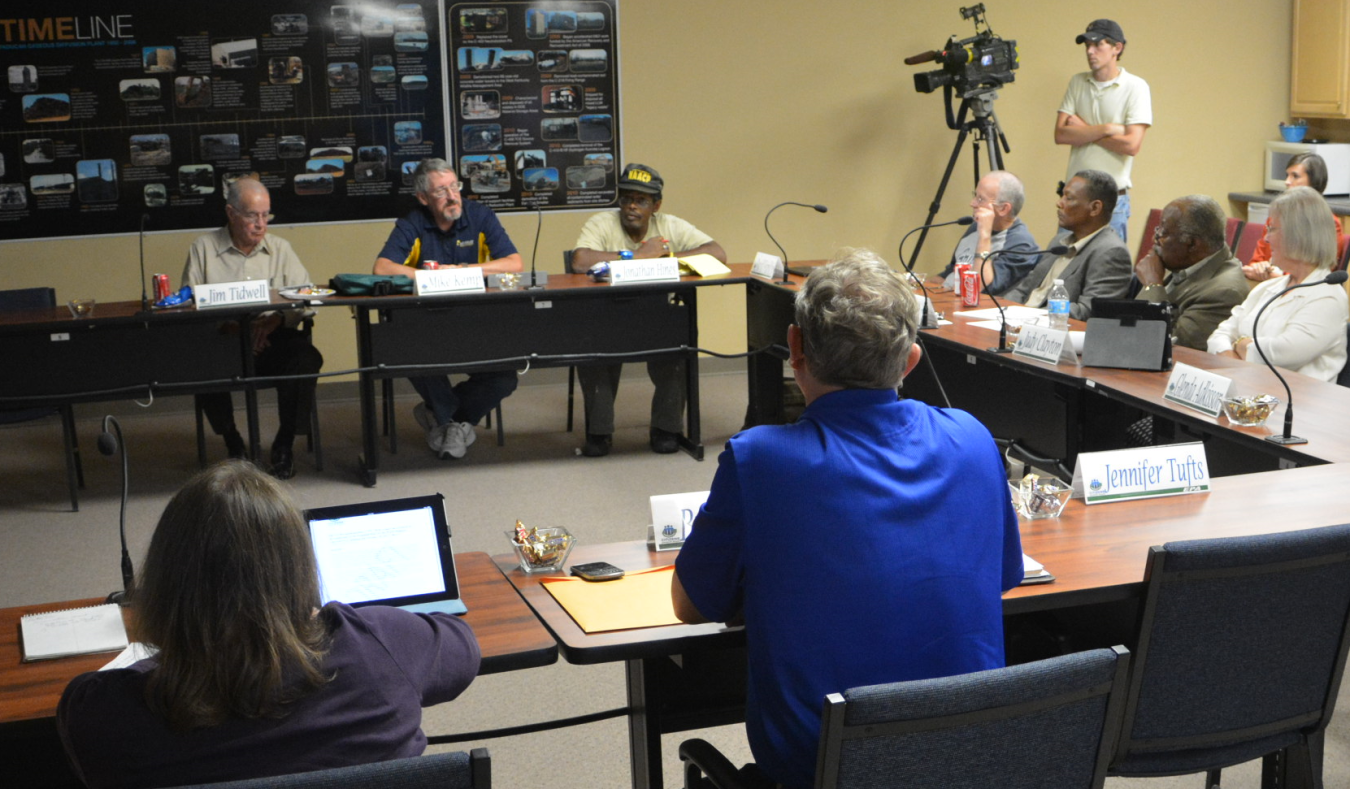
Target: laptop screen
394 552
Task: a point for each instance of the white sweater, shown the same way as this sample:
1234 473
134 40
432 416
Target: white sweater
1304 331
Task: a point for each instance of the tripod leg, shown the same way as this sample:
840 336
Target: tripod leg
995 135
936 205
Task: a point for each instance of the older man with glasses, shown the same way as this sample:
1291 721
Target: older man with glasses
1191 267
997 242
637 227
452 232
244 250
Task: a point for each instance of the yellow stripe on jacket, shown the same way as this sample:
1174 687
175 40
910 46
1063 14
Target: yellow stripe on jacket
415 254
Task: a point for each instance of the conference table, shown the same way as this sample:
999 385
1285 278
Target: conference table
571 320
682 677
509 636
1060 410
119 352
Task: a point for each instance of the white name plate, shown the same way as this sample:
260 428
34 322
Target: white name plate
673 518
224 294
767 266
1044 345
1198 389
627 272
450 280
1143 473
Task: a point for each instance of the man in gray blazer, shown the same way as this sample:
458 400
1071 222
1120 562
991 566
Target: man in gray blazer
1097 264
1192 268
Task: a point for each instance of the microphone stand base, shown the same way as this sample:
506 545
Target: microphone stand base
1286 441
1000 349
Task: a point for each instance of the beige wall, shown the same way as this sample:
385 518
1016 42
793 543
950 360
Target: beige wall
742 105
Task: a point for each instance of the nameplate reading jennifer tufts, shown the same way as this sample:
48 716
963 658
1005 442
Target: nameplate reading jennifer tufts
450 280
628 272
225 294
1143 473
1199 389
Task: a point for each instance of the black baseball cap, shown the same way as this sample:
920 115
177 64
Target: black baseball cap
1099 29
641 178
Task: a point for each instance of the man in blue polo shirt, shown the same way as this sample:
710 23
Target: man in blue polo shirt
452 232
869 542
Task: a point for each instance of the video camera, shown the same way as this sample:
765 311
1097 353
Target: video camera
988 64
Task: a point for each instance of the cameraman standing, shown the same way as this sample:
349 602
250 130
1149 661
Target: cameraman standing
1104 115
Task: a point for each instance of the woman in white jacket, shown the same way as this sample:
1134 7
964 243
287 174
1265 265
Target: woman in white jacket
1304 330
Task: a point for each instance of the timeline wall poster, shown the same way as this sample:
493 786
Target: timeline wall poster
534 102
142 108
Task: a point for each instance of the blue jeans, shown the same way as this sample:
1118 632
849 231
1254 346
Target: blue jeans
468 401
1120 217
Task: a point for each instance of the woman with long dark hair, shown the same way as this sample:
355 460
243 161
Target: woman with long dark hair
252 677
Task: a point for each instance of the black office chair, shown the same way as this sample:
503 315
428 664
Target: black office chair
34 299
1242 643
313 438
456 770
1049 723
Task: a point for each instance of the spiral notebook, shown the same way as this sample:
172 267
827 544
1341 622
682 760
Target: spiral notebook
74 631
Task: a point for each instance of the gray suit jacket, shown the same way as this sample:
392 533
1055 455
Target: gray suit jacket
1204 295
1101 269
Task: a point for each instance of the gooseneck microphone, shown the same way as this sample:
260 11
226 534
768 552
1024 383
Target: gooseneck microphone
1287 438
145 296
533 284
909 266
107 445
819 209
1057 250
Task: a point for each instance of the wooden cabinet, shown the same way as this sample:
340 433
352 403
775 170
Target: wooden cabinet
1319 74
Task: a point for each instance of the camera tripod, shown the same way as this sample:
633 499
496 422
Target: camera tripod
987 130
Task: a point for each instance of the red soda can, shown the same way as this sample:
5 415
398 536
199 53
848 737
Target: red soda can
960 267
970 288
162 286
430 265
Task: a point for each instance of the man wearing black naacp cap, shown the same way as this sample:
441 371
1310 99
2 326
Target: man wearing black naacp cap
640 228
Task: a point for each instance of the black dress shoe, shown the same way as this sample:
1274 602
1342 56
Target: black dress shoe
664 442
597 445
283 463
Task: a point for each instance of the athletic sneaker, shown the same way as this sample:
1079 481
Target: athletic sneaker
457 437
435 433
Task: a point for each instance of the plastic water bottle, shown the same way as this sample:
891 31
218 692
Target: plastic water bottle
1058 304
625 254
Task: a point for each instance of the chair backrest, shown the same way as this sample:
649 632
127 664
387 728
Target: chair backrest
1232 230
567 261
1146 240
1049 723
27 299
1251 235
1242 643
1344 377
456 770
1342 252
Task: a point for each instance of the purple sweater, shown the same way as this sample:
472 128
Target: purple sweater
388 663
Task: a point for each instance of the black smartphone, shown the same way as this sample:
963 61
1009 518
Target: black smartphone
597 571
